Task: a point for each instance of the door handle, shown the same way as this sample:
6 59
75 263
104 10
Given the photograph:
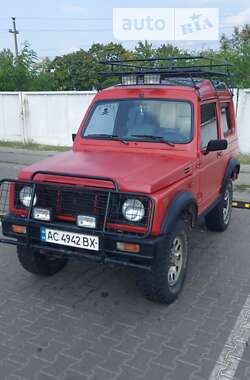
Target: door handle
219 154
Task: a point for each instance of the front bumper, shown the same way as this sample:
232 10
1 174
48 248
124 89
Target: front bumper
108 254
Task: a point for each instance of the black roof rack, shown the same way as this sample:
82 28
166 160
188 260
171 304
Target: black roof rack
170 69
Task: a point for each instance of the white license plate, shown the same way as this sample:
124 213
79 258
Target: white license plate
70 239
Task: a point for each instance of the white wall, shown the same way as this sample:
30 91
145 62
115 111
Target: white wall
243 119
51 117
11 127
42 117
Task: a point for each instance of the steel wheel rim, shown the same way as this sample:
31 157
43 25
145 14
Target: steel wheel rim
176 261
227 207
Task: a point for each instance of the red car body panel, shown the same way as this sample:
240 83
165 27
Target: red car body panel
141 172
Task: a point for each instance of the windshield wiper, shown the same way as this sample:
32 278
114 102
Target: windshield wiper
105 136
153 137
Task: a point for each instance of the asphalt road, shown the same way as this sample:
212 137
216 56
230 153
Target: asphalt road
91 322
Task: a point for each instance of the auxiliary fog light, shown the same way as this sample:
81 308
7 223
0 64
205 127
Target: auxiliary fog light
129 80
152 79
41 214
86 221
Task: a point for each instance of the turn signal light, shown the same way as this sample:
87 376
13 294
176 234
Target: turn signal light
128 247
18 229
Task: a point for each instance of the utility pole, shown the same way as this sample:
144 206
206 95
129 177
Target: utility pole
15 32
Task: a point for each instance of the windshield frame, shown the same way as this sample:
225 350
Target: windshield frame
113 100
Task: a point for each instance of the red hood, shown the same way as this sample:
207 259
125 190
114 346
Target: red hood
145 172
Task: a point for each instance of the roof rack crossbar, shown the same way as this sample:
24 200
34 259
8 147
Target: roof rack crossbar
158 59
168 73
160 68
182 82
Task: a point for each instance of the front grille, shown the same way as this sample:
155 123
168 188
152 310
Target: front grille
47 197
68 201
73 203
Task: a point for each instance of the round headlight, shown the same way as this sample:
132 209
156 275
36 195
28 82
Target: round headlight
133 210
25 196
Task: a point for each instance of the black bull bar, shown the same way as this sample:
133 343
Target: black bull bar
108 253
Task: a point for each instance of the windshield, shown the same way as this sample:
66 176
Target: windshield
139 119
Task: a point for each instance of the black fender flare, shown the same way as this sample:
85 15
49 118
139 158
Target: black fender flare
182 201
232 166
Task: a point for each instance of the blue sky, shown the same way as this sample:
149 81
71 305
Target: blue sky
55 27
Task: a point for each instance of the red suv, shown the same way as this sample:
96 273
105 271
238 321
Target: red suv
152 156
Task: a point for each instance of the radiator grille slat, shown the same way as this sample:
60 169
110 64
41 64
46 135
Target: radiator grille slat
69 202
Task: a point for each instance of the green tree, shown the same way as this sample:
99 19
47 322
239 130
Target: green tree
145 50
236 49
7 71
23 73
169 51
43 76
80 70
16 73
101 53
72 71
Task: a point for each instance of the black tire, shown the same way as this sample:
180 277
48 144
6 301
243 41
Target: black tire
219 218
155 284
35 262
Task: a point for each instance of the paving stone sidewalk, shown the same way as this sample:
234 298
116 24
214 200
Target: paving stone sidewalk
90 322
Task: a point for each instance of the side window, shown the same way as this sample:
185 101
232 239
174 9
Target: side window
226 124
209 129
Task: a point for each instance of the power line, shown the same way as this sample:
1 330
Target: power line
48 30
63 18
60 30
66 30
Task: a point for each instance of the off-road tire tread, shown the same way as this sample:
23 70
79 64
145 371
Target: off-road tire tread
153 284
214 220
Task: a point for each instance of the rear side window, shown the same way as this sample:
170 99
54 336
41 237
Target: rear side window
226 124
209 127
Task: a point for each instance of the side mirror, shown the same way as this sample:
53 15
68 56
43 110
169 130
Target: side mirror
73 136
215 145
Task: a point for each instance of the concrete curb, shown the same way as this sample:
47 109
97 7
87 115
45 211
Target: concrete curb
24 151
245 168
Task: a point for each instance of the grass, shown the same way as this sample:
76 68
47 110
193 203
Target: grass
242 187
245 159
33 146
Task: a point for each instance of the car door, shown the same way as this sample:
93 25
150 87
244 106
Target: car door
211 164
